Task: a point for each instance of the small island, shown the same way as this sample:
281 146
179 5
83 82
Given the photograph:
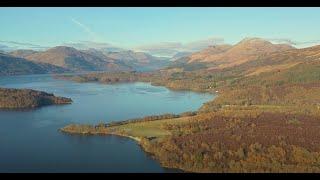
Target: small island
26 98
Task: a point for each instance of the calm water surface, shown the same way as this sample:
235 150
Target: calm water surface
30 141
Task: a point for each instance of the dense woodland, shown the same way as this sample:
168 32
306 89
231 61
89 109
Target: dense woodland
243 140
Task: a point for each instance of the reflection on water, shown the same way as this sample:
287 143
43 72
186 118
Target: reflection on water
30 141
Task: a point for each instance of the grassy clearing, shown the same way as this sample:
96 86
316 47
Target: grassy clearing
147 129
135 130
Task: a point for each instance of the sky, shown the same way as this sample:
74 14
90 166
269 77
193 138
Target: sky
147 27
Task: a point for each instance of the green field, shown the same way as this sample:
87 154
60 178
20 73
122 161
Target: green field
147 129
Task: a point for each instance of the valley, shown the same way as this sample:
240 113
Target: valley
159 89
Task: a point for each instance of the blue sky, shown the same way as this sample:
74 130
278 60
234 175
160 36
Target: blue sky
132 27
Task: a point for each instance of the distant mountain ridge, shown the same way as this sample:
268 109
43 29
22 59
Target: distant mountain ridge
138 60
22 52
92 59
75 60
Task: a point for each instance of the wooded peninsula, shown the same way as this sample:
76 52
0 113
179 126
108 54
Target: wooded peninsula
266 117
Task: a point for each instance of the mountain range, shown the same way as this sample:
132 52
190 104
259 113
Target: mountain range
224 56
69 59
255 55
139 60
75 60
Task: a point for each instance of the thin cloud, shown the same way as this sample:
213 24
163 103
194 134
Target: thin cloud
171 48
292 42
12 45
20 43
161 45
84 45
161 49
85 28
202 44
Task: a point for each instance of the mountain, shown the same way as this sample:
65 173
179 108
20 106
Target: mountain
75 60
224 56
10 65
139 61
193 61
22 53
208 52
282 78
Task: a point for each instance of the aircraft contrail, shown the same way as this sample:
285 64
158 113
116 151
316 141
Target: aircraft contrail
85 28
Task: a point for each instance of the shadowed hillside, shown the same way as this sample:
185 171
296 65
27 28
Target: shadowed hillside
10 65
22 53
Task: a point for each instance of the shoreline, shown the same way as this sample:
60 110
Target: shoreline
235 116
137 140
212 91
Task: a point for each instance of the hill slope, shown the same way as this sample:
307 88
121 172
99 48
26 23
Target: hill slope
22 53
10 65
249 49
